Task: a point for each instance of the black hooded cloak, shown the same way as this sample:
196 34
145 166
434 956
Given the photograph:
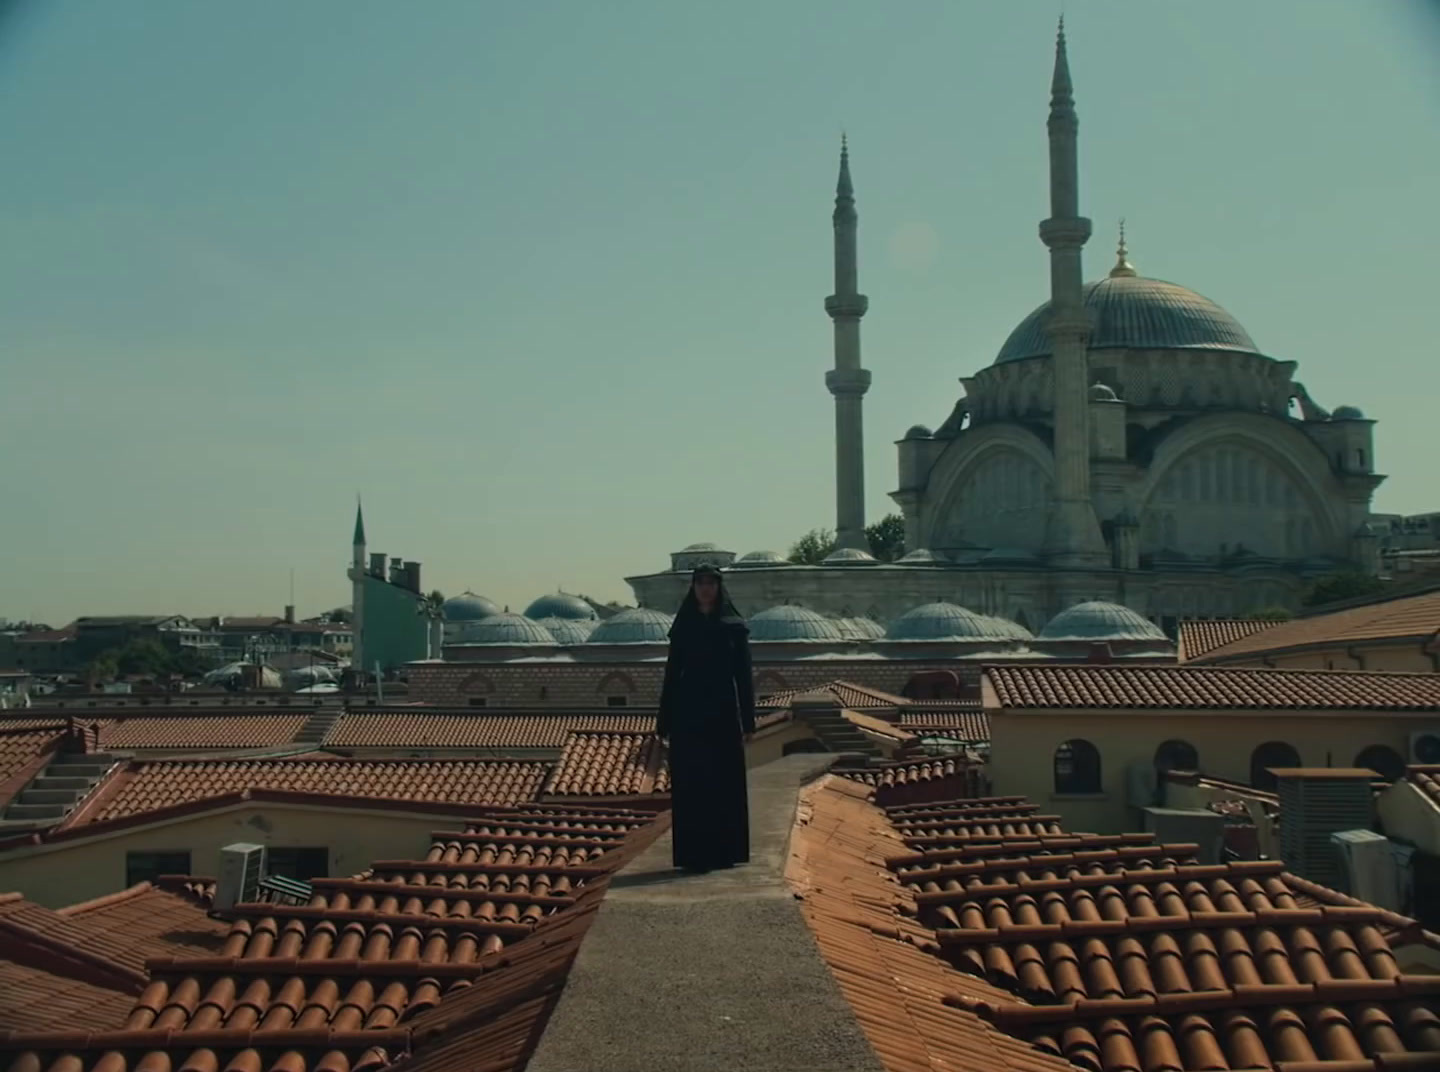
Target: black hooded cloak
707 704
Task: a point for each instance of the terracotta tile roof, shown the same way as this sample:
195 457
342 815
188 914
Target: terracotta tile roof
1426 779
971 726
1207 688
1115 953
881 726
855 697
235 729
84 965
609 764
450 961
1416 616
914 780
149 785
1199 637
20 747
478 730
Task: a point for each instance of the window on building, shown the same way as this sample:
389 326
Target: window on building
1383 760
148 866
478 701
301 864
1271 754
617 701
1176 755
1077 767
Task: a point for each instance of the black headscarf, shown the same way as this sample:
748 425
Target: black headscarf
690 618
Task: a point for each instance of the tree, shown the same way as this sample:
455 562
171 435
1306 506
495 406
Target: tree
887 537
436 597
1341 586
813 548
340 614
143 657
101 668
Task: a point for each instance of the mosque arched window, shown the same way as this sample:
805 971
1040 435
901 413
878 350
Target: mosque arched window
1077 767
1383 760
1176 754
1268 755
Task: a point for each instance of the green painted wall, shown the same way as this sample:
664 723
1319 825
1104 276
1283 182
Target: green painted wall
393 632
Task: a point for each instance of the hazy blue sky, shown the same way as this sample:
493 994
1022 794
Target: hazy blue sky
544 281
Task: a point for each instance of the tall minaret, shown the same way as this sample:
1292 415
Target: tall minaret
1074 537
357 579
847 381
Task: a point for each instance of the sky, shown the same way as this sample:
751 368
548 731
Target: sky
544 282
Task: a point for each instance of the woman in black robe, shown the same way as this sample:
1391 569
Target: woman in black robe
707 714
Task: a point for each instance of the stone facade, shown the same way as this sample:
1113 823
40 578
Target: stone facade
586 686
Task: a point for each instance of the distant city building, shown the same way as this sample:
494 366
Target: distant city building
391 625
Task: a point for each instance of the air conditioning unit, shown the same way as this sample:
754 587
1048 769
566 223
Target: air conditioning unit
1425 746
242 866
1369 867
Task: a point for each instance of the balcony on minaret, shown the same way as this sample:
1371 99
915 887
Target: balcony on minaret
846 306
848 381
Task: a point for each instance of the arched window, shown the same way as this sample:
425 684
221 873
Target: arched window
1271 754
1077 767
1176 755
1383 760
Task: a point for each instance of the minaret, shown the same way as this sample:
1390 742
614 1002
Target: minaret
357 579
1074 537
847 381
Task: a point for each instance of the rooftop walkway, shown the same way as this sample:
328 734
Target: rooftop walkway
707 973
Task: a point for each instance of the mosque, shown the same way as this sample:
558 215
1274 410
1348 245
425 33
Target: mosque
1130 443
1130 457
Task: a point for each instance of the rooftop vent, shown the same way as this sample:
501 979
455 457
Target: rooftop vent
242 866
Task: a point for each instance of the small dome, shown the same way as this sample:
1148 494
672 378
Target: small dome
758 559
561 605
944 621
920 557
919 431
794 623
1013 630
1134 313
1347 413
509 630
569 630
638 625
1101 621
699 547
849 556
861 628
1100 392
468 607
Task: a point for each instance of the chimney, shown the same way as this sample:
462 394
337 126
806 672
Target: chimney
412 574
289 613
377 565
397 569
1316 802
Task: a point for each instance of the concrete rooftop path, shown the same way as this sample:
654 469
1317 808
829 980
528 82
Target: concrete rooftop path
707 973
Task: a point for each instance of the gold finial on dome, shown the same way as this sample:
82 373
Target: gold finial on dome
1123 268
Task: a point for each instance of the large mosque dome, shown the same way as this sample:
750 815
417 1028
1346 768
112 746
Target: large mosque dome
1134 313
